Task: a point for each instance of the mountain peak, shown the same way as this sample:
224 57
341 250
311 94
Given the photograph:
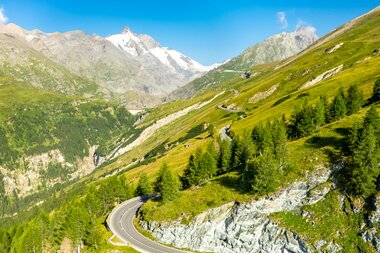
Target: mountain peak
148 41
306 28
126 29
145 48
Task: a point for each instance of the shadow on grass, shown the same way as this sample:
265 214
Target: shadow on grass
320 142
232 182
281 100
338 142
344 131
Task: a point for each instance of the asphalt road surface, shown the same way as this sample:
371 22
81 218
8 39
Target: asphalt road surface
224 133
120 222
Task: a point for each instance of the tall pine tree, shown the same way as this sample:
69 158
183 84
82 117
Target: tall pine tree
338 107
320 112
166 184
144 187
224 161
364 163
355 99
376 91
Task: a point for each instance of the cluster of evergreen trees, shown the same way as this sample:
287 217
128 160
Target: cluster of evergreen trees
167 185
76 220
362 172
259 157
308 118
202 166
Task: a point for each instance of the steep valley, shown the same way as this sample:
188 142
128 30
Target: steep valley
286 160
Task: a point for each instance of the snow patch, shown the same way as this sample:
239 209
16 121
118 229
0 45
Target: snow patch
137 45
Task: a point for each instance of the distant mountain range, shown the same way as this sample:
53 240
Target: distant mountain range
275 48
130 68
133 68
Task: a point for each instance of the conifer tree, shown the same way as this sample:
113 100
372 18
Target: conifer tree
224 161
279 139
365 163
144 187
302 122
320 112
212 149
338 107
353 137
262 137
211 130
192 174
244 151
376 91
355 99
207 167
262 174
167 185
372 118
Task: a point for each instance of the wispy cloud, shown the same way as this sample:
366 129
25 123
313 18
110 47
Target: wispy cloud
302 24
281 16
3 18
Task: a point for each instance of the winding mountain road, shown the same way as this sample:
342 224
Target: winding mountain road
120 222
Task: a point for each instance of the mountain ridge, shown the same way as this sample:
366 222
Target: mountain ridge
136 76
275 48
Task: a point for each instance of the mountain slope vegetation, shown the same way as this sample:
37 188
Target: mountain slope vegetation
338 78
49 140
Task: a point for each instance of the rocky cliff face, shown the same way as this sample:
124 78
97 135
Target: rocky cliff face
44 171
275 48
21 64
371 234
246 227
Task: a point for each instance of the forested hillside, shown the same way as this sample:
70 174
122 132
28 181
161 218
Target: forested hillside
49 140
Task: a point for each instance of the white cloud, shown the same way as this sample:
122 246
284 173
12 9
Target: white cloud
3 18
282 19
305 25
301 23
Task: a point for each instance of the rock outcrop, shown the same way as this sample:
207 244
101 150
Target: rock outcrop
329 73
236 227
44 171
372 233
262 95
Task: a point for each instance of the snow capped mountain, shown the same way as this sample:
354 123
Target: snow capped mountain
133 68
142 45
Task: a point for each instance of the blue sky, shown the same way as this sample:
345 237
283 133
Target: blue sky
208 31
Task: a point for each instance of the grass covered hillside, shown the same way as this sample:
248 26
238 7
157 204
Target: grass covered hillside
317 109
359 57
20 64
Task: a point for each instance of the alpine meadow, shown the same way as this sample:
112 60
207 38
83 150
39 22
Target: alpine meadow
118 143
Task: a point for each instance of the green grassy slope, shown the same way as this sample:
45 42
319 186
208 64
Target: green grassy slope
20 64
361 67
361 42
